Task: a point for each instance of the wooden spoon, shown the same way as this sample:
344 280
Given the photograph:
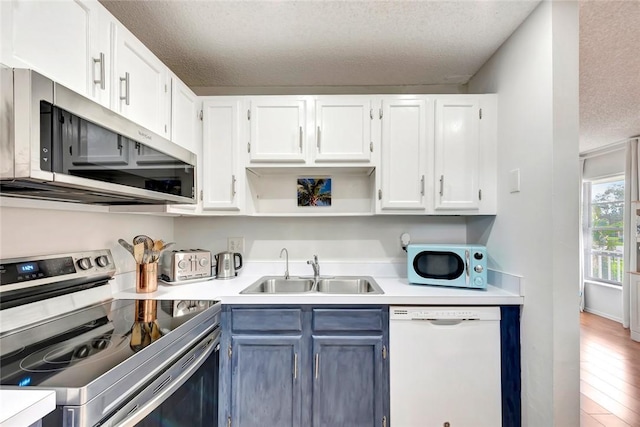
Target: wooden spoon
138 253
136 337
157 248
146 334
158 244
155 331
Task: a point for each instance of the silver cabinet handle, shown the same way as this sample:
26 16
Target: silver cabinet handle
126 81
295 366
422 186
441 185
317 365
318 139
300 139
101 80
233 186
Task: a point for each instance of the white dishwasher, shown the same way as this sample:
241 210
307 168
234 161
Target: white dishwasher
445 367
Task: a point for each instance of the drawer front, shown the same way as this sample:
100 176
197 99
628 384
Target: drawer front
338 320
251 320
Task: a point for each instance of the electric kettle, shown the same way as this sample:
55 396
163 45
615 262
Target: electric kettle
228 264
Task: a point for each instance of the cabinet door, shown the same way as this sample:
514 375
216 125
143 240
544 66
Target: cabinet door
185 112
348 381
55 38
456 153
265 381
277 130
405 124
141 91
221 134
343 129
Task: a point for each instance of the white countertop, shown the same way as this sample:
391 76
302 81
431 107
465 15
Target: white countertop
397 290
20 408
24 407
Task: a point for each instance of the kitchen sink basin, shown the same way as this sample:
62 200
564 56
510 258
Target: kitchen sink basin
307 285
349 285
279 285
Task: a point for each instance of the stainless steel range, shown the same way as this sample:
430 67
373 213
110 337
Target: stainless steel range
110 362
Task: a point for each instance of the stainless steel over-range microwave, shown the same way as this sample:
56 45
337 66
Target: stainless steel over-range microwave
55 144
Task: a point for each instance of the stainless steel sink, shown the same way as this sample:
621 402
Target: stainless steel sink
307 285
279 285
349 285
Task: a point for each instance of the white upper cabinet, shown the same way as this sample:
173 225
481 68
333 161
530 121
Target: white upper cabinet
141 89
185 116
277 129
407 126
62 40
334 130
457 139
80 45
223 176
343 129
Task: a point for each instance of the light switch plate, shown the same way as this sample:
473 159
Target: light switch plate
514 181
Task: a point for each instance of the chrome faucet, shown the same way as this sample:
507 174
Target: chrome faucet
286 271
316 267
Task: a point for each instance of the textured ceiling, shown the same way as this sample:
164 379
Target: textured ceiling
322 43
609 72
384 43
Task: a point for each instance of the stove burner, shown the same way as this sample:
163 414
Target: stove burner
58 357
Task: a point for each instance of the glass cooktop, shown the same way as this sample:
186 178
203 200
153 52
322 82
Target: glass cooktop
74 350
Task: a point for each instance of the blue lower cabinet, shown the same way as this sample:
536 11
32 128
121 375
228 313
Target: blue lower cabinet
265 381
348 377
310 366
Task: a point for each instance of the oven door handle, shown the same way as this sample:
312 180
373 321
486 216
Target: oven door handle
139 412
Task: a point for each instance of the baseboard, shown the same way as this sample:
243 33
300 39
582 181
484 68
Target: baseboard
602 314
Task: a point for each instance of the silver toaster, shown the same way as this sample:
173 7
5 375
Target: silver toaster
186 264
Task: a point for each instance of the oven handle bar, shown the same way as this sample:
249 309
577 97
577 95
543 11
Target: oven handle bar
138 412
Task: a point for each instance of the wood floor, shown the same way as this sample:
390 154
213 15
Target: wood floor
609 374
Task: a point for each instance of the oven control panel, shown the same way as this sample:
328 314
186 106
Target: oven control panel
15 272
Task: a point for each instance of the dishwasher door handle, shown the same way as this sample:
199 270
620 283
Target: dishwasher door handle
446 322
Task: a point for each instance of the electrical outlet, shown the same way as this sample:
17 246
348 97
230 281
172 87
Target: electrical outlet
235 244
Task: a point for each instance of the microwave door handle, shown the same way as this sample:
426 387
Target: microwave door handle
466 266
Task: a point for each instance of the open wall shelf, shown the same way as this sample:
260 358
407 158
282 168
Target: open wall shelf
274 191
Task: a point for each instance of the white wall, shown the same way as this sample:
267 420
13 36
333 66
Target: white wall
331 238
34 231
535 234
603 300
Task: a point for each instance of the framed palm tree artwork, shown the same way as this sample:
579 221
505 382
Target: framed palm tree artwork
314 191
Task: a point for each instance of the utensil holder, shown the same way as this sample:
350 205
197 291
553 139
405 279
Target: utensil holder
147 277
146 310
